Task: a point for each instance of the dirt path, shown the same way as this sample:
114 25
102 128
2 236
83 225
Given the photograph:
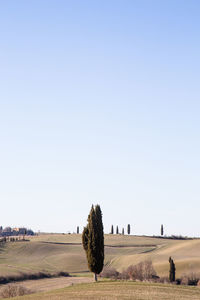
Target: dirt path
47 284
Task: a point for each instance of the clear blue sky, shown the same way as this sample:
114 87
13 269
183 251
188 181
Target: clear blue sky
100 103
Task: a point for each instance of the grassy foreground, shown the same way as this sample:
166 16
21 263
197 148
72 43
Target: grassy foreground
120 290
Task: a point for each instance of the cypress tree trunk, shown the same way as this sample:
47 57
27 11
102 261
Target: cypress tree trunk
95 277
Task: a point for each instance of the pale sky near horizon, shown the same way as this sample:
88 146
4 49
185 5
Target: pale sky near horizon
100 103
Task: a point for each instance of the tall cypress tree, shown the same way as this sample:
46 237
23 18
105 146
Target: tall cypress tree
161 229
123 230
77 231
117 230
112 229
129 229
93 241
172 270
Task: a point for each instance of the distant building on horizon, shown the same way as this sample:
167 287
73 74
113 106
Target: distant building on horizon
8 231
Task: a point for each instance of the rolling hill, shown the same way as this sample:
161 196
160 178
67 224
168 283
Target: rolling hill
59 252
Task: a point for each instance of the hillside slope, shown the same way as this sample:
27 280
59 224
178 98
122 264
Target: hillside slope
119 290
52 253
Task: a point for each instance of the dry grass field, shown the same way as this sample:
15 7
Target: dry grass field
119 290
48 284
63 252
52 253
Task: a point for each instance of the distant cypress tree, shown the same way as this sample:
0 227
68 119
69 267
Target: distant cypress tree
77 230
123 231
117 230
93 241
162 230
172 270
129 229
112 229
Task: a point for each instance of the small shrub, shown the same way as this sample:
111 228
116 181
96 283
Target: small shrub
190 279
62 273
12 290
148 270
193 281
142 271
124 275
109 272
31 276
135 272
178 281
163 279
184 280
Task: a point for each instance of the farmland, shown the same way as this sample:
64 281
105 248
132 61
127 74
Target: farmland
119 290
51 253
58 252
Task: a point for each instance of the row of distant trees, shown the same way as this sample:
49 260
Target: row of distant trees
117 229
123 232
112 230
